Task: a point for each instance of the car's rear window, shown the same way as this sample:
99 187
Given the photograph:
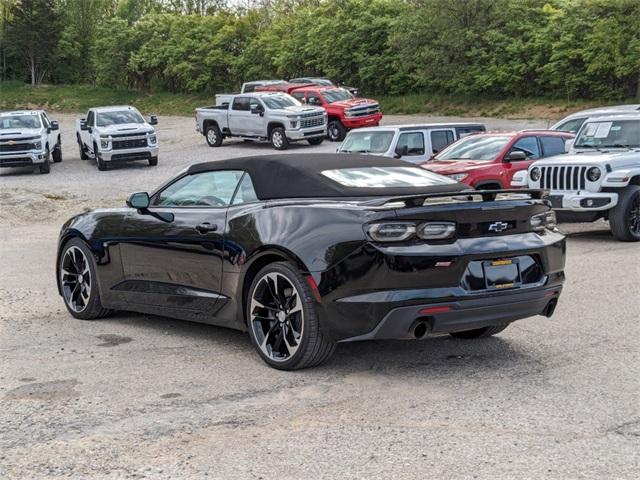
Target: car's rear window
386 177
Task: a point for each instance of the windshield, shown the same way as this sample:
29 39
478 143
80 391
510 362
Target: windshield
275 102
336 95
118 117
19 121
386 177
475 148
367 142
607 134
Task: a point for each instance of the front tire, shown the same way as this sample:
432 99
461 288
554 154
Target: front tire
279 139
480 332
57 151
213 136
102 165
153 161
283 321
624 219
78 281
315 141
336 131
83 154
46 166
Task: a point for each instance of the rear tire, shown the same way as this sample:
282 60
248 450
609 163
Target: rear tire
479 332
153 161
213 136
283 321
624 219
46 166
279 139
336 131
315 141
57 151
78 280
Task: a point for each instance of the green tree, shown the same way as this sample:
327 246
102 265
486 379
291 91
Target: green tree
33 33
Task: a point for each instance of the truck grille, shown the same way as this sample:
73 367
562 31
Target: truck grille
16 147
370 109
563 177
312 122
124 144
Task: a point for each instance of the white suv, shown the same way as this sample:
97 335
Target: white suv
29 138
599 178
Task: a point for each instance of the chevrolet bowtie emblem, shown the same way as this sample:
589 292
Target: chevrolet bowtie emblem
498 227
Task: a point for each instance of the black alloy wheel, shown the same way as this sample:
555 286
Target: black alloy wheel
283 321
77 275
624 218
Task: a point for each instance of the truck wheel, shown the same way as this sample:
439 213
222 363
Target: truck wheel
102 165
213 136
336 131
315 141
624 218
279 139
153 161
83 154
57 151
46 166
480 332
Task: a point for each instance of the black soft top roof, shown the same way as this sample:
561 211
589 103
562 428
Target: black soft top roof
300 175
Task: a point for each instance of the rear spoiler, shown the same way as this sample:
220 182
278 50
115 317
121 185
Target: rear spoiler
487 196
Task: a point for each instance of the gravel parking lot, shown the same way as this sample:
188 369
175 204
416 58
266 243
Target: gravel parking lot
136 396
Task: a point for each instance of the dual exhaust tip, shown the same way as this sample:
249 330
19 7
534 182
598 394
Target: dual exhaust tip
421 328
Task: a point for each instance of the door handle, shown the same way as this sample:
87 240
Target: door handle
206 227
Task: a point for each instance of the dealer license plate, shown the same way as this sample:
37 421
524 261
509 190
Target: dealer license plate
501 273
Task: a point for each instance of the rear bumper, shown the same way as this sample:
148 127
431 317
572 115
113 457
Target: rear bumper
21 159
463 314
364 121
129 155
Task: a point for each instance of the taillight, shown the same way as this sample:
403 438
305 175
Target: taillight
401 231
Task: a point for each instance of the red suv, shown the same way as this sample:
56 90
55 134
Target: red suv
489 160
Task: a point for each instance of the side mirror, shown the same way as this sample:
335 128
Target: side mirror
402 151
257 109
568 144
153 120
138 200
314 101
54 126
435 151
83 125
516 155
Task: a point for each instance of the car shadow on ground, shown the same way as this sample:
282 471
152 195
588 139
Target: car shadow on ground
434 355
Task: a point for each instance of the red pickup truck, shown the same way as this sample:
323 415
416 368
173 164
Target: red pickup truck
344 110
489 160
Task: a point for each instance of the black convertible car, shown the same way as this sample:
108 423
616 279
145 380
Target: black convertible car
305 251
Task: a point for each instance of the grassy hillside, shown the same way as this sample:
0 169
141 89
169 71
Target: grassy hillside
78 98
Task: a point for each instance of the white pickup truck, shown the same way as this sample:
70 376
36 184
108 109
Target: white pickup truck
117 134
29 138
412 143
276 117
598 178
